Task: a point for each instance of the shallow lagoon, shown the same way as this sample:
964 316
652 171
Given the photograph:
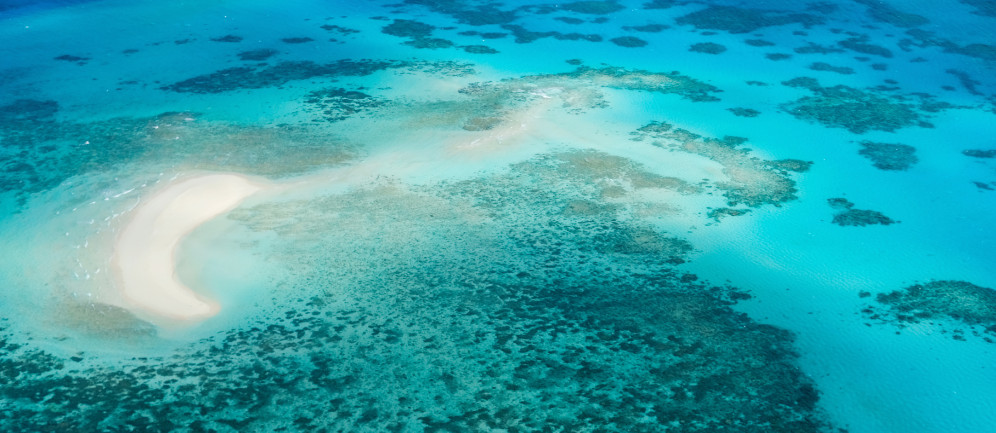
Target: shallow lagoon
593 216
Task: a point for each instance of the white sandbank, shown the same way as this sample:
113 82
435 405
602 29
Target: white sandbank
144 253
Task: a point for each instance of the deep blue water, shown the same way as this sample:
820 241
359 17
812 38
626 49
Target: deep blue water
709 216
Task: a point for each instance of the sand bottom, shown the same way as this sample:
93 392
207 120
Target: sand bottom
145 250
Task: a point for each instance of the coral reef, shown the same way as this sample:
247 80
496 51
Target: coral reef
859 111
629 41
980 153
525 36
847 215
759 43
970 84
822 66
648 28
889 156
257 55
339 104
469 12
79 60
579 91
297 40
256 77
659 4
339 29
570 20
744 112
943 303
750 180
228 38
592 7
886 13
982 7
519 300
707 48
40 145
860 44
418 34
479 49
739 20
723 212
812 48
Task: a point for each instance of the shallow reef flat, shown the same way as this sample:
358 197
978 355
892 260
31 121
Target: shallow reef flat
958 307
589 216
507 310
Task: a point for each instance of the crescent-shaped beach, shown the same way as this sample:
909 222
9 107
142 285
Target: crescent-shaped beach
145 250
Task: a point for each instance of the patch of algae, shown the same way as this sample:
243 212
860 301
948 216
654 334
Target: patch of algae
523 300
944 300
751 181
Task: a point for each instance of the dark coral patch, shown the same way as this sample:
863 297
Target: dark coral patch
479 49
759 43
991 186
592 7
297 40
648 28
980 153
812 48
258 55
886 13
970 84
524 35
744 112
629 41
659 4
419 34
707 48
338 104
847 215
982 7
946 300
430 43
889 156
71 58
822 66
470 13
740 20
859 111
570 20
228 38
723 212
230 79
408 29
860 44
339 29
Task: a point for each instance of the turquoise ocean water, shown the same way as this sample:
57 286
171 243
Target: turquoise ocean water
592 216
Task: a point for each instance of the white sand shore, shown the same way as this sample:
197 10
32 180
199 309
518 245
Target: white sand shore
144 252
